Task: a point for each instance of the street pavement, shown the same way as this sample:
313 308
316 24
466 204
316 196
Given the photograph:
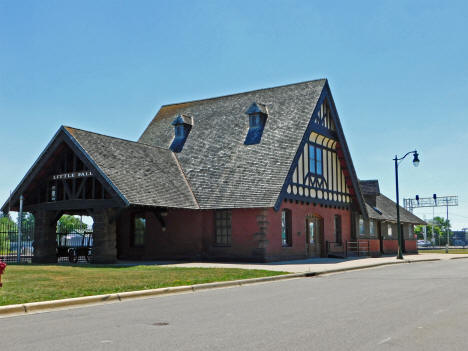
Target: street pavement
420 306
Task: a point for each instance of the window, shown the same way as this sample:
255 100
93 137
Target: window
389 230
286 232
338 229
361 226
223 227
179 131
315 160
372 228
53 193
255 120
139 229
311 228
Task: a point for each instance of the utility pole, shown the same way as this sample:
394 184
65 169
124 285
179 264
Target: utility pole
447 229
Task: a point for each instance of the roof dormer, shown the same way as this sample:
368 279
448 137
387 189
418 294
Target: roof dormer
182 126
257 118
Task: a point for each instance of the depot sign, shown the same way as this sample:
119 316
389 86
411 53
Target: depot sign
72 175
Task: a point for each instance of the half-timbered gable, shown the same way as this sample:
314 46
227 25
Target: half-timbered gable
322 171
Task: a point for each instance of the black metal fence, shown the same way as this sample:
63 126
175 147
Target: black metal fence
74 242
348 248
14 248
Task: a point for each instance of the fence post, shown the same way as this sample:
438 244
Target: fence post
358 247
368 247
346 248
20 224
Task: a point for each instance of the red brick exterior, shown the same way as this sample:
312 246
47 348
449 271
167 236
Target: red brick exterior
256 234
276 251
411 246
374 247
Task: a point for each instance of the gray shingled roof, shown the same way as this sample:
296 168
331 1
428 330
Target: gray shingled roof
221 170
144 174
215 168
386 206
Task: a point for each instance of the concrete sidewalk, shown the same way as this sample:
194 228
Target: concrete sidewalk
315 265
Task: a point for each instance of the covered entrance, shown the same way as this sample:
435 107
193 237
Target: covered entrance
66 181
314 236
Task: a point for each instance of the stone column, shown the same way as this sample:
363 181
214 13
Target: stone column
104 236
45 237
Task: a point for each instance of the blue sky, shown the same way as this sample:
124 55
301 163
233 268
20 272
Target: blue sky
398 71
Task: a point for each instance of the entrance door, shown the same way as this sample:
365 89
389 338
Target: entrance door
314 236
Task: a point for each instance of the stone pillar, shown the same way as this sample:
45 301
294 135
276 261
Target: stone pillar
45 237
104 236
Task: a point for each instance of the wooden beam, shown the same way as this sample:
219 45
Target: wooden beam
74 205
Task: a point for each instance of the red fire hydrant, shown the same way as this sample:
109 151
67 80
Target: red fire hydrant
2 269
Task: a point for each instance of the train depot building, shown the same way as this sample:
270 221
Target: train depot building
263 175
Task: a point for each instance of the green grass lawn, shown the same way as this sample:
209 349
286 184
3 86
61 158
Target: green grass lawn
450 251
30 283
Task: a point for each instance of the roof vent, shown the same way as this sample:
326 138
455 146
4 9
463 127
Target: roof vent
257 118
182 126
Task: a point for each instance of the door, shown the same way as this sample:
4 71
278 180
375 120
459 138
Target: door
314 236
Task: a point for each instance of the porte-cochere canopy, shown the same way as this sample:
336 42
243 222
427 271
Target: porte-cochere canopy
81 170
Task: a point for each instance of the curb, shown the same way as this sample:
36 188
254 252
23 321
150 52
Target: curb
35 307
458 258
373 265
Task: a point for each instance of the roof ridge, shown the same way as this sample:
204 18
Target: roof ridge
113 137
185 178
243 92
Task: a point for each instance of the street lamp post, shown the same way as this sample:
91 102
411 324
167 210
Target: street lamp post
400 234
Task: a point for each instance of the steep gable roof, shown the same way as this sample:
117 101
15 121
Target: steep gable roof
139 174
215 169
145 174
222 171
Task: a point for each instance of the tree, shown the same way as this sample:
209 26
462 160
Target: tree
437 229
6 221
7 226
66 224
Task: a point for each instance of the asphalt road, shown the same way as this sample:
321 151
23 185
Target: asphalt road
418 306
